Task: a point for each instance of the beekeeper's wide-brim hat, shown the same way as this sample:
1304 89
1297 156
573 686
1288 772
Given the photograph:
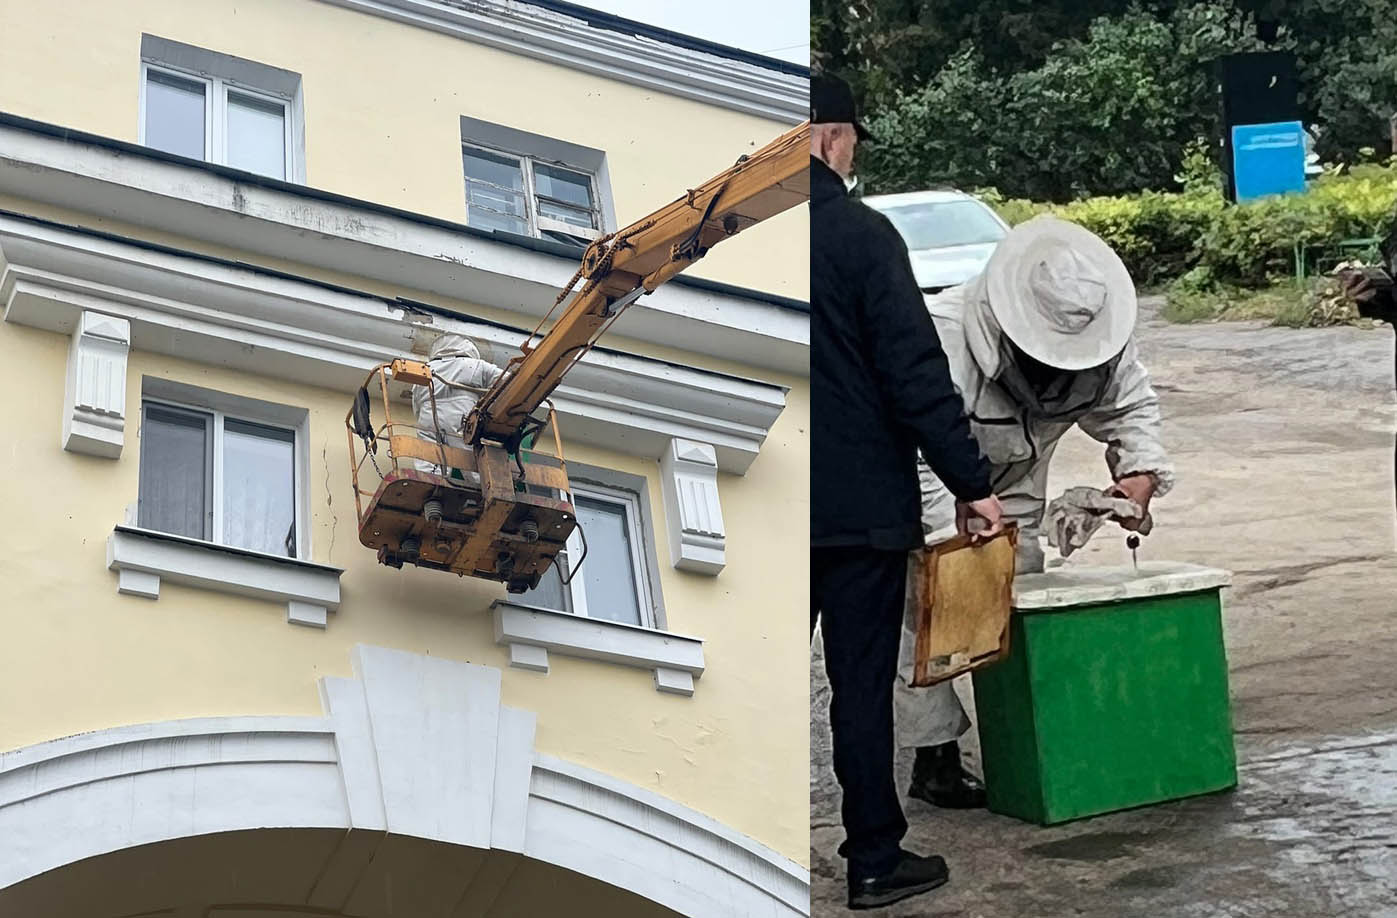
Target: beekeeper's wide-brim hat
1061 294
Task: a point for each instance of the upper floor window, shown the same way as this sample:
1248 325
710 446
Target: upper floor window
209 119
532 185
523 195
220 109
231 477
615 580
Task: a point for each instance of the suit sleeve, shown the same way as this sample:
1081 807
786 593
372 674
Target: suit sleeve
912 370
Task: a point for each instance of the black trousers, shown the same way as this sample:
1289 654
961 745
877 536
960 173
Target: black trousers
856 594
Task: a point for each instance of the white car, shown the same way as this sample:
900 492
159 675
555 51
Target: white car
949 234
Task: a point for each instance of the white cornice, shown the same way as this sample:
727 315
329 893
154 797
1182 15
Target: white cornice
227 315
142 559
189 200
676 659
547 35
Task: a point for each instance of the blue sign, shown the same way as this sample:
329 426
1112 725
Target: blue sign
1268 159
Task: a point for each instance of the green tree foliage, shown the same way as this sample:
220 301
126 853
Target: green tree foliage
903 43
1057 100
1196 238
1347 54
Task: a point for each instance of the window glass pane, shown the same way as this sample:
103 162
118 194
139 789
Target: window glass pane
175 114
580 242
563 185
259 510
490 207
494 168
485 219
566 214
257 135
488 196
174 472
549 592
608 573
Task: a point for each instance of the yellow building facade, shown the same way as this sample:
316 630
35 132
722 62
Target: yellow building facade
215 218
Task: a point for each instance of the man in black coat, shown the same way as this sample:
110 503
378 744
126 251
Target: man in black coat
880 392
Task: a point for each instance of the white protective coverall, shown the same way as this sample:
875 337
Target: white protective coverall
454 359
1114 405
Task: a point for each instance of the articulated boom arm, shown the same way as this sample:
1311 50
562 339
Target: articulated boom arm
617 269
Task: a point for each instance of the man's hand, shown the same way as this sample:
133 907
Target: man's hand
1140 489
987 510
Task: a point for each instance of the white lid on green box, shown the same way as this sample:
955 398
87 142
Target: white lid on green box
1083 586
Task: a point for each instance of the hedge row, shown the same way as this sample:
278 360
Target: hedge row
1162 236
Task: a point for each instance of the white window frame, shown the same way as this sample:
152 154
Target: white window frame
575 600
216 512
216 113
537 223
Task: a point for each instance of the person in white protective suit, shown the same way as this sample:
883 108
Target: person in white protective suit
1040 341
459 377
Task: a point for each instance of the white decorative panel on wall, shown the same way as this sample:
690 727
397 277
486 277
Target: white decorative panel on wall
694 514
414 757
94 399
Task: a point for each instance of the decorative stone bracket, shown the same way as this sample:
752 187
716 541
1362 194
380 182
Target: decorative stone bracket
694 515
94 395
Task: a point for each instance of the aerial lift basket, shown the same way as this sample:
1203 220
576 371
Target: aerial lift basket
481 512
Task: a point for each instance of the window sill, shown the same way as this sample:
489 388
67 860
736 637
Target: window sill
143 557
530 633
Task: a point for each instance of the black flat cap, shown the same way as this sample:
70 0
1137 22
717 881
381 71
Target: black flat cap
832 102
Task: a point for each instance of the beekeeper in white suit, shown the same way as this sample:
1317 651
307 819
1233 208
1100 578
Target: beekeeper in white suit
1042 340
459 377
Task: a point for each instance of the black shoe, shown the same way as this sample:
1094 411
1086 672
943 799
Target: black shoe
939 778
912 876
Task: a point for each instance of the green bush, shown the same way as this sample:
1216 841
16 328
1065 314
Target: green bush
1012 211
1162 237
1111 110
1200 172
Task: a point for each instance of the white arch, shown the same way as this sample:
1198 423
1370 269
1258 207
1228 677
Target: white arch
412 746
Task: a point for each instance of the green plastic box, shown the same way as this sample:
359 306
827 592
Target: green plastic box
1114 693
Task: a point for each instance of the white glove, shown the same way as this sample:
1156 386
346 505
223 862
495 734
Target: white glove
1074 517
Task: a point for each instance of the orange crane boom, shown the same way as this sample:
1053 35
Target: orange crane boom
494 508
619 268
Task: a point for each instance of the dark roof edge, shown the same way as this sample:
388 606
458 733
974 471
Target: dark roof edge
614 23
399 302
545 246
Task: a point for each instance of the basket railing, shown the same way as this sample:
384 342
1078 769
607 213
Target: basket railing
394 444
